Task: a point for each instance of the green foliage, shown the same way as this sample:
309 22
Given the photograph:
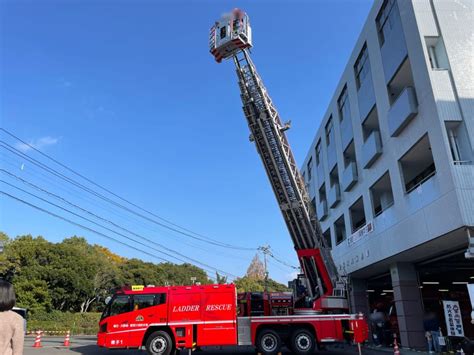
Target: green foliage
74 276
3 237
250 284
33 295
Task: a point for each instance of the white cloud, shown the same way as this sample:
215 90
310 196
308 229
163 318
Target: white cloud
37 143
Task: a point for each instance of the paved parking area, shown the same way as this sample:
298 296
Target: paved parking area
87 345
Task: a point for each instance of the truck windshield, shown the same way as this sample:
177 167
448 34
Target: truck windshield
118 305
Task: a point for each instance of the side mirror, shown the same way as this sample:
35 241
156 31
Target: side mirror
107 300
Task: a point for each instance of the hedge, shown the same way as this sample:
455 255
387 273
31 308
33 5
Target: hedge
59 322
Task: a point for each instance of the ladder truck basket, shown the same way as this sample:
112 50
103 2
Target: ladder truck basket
230 34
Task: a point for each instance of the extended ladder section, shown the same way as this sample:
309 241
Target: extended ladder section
268 133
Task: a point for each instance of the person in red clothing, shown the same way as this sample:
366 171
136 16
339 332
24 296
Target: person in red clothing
11 323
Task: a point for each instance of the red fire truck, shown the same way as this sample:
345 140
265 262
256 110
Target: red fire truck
166 319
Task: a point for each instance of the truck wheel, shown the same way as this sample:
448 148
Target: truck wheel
303 342
268 342
159 343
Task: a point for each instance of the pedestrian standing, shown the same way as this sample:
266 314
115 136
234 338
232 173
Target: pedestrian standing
432 333
11 324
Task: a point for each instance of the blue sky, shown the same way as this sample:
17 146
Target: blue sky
126 93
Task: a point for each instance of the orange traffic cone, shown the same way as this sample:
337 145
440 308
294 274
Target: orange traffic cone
396 351
37 343
66 339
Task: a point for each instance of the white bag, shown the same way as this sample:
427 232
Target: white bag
442 341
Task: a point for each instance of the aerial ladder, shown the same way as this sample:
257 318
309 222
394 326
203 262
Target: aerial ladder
231 38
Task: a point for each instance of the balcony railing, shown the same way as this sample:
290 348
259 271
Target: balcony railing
322 210
349 176
403 110
332 157
320 174
347 133
425 179
371 149
334 196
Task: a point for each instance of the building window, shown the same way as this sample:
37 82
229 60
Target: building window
344 105
340 230
304 176
350 155
318 153
357 214
327 238
386 20
329 131
382 194
459 144
362 66
322 194
437 53
401 80
310 168
417 165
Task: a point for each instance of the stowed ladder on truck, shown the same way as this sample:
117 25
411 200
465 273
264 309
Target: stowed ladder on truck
324 284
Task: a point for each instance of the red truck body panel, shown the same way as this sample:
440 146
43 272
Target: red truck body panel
202 316
196 315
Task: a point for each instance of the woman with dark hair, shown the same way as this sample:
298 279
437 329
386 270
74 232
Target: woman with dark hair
11 324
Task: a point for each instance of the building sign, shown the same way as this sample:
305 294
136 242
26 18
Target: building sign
452 313
353 261
361 233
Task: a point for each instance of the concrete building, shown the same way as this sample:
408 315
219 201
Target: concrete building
390 171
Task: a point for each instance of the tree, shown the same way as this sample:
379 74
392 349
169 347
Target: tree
33 295
220 280
75 276
250 284
256 269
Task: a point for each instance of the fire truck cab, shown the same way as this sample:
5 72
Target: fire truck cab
167 319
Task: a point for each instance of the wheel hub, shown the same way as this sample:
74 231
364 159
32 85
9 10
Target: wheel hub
303 342
269 343
159 345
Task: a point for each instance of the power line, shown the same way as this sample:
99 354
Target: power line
210 268
102 219
37 174
82 226
266 250
208 239
85 188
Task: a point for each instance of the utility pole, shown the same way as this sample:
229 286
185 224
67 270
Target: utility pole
265 249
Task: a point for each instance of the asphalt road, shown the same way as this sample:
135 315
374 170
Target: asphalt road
87 345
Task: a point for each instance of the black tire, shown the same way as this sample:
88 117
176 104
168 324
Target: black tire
303 342
268 342
159 343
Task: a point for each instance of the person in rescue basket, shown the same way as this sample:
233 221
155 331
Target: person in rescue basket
11 324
